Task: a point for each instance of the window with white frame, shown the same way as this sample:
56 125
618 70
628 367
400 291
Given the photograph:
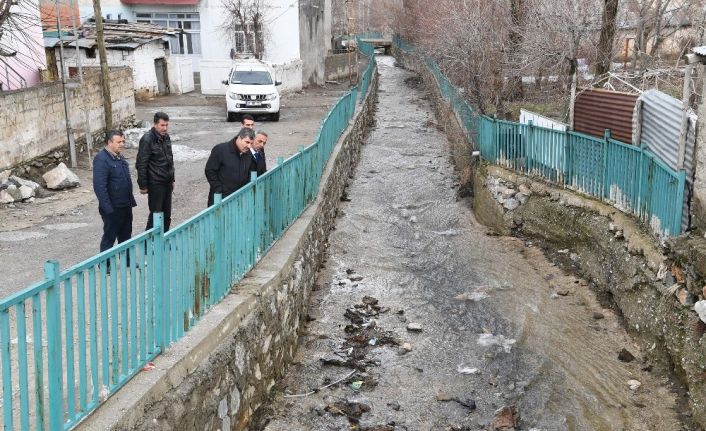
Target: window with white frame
189 42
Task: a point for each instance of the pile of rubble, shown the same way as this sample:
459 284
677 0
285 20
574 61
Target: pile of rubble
506 194
16 189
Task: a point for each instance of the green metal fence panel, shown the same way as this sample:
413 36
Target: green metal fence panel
73 339
628 177
586 163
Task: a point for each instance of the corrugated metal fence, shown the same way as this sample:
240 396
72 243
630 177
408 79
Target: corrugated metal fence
659 118
596 110
629 177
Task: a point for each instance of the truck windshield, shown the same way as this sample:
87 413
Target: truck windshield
251 77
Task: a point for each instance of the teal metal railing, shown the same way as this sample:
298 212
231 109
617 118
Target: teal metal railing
629 177
368 50
70 341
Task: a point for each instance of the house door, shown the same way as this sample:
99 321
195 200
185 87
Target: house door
160 67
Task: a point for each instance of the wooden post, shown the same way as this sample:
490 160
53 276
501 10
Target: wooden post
105 79
686 95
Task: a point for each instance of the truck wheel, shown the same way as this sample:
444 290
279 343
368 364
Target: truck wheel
275 116
230 116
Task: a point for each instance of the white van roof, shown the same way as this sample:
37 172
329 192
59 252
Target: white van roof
250 65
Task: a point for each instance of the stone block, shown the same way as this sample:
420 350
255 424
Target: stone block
19 182
5 197
14 191
61 178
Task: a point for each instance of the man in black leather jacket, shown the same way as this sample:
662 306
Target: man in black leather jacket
155 169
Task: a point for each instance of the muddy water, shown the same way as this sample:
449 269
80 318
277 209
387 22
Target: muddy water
500 325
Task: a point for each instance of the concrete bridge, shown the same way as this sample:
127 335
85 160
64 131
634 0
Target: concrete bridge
378 41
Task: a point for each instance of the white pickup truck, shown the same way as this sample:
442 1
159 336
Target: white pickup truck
251 90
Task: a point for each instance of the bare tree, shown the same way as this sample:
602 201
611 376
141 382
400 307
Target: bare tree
244 25
469 40
559 33
607 38
656 21
20 39
515 39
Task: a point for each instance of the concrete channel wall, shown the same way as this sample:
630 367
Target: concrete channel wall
217 376
652 285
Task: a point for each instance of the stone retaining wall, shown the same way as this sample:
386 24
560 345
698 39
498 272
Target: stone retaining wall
218 375
624 264
34 122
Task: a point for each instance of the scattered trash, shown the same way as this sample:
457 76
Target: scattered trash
678 274
351 409
334 360
634 384
149 366
369 300
441 396
487 340
467 370
700 308
685 298
356 385
414 327
103 393
672 290
318 389
475 296
626 356
465 402
506 418
662 272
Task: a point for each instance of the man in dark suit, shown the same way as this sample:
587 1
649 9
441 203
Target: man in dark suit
113 188
258 151
229 165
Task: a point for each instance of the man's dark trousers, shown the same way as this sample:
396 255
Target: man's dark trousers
116 225
159 200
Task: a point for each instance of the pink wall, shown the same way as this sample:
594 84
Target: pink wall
30 56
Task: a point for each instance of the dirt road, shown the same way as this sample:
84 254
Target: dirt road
432 324
66 226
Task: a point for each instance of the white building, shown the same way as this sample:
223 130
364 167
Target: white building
296 59
145 48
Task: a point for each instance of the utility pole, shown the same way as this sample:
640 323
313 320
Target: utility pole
67 111
105 79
